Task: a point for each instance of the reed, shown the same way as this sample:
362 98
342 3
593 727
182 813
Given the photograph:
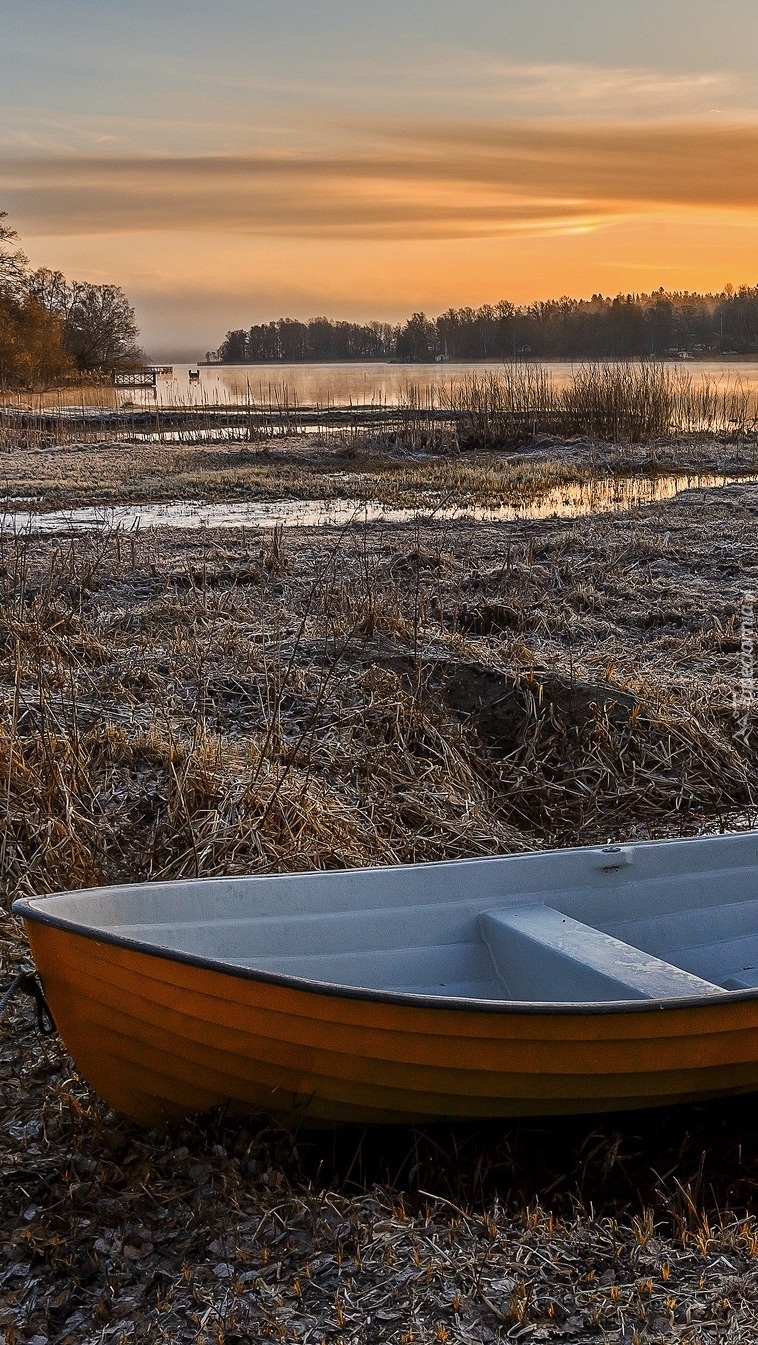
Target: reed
622 403
220 705
173 706
619 403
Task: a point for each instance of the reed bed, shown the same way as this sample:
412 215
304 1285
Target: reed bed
635 402
616 403
328 703
173 705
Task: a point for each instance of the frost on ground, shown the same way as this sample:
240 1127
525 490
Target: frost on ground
224 702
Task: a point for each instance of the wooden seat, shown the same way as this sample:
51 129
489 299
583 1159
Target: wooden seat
541 954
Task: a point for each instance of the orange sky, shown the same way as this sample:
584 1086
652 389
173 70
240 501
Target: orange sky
478 175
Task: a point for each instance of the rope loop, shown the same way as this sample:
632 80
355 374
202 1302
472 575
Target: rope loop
28 983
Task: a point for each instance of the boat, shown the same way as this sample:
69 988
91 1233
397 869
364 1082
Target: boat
568 981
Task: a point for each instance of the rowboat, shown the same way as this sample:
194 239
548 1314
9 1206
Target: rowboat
566 981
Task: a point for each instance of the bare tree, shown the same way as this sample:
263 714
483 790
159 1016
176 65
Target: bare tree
51 290
13 262
101 329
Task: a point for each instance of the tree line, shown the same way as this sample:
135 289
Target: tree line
52 328
630 326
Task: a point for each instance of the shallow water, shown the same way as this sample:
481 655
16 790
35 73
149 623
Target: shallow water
338 384
607 495
369 384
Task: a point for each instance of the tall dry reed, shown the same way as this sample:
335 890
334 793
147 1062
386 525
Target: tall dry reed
619 403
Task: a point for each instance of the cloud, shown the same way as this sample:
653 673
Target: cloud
576 89
621 85
398 181
26 132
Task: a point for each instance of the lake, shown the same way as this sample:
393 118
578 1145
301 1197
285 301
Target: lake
341 384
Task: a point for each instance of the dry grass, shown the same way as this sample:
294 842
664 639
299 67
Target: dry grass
224 702
305 702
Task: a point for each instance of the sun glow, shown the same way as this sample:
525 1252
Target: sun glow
282 189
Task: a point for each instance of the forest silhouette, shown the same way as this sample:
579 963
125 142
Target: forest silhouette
631 326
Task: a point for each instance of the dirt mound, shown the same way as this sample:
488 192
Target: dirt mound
503 707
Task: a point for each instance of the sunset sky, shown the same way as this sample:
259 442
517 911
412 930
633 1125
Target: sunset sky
232 162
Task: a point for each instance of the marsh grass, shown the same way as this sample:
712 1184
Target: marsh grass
254 702
226 705
620 403
544 477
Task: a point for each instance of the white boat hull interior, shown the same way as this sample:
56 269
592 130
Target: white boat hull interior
646 921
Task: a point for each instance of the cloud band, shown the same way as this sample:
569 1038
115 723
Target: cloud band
422 181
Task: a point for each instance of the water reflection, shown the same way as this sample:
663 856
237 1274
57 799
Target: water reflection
364 384
338 384
609 494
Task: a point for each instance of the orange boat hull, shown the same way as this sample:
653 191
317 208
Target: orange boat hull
160 1038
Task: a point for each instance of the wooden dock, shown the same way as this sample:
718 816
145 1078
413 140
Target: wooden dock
140 378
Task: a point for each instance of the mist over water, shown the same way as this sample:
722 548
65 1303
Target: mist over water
362 384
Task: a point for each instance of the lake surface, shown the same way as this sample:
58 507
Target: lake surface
379 384
608 495
385 384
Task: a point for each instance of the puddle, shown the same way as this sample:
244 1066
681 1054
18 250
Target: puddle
609 495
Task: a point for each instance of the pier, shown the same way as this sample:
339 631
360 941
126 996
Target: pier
140 378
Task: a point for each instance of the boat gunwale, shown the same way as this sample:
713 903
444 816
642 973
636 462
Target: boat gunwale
28 910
